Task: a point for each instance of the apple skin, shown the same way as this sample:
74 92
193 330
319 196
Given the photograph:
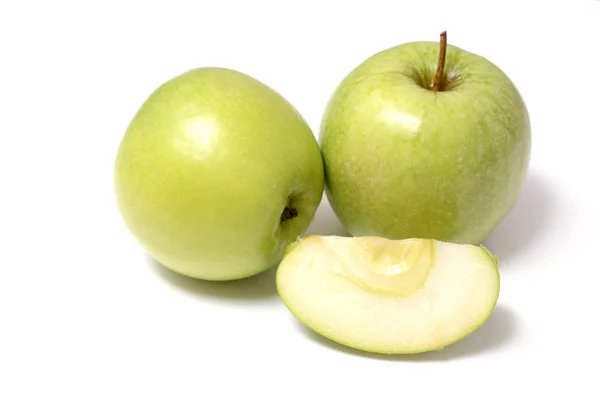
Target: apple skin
206 168
403 161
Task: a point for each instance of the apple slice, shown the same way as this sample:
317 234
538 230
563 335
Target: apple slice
389 296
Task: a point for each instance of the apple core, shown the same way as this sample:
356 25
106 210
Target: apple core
393 268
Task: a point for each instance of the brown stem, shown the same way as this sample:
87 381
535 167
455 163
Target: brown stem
439 74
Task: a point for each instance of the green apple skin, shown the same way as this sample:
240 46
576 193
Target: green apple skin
206 169
405 161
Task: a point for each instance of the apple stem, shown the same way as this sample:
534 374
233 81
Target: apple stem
437 83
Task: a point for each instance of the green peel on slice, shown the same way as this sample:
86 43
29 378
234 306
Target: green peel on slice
389 296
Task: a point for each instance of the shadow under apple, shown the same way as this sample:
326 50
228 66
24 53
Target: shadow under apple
257 287
261 286
496 333
326 222
525 224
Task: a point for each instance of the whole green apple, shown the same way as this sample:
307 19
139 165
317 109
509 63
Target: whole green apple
425 140
216 174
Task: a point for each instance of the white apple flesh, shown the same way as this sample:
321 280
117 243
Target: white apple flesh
389 296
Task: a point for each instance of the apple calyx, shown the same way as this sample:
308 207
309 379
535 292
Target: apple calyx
439 75
288 213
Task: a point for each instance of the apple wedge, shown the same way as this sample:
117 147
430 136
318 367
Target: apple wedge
389 296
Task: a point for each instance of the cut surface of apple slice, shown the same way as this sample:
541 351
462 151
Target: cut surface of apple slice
389 296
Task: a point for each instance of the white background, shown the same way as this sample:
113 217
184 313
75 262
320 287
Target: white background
85 314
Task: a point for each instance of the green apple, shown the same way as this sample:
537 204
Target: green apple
216 174
389 296
407 158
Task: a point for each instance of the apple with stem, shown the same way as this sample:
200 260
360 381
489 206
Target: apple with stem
425 141
216 174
